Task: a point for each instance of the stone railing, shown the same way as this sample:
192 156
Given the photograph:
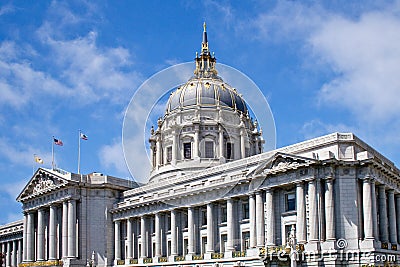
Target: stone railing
179 258
217 255
148 260
163 259
198 257
237 254
41 263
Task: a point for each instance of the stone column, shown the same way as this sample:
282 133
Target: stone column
392 218
157 222
242 144
221 142
129 235
3 249
191 245
210 228
143 235
174 247
367 209
30 238
64 234
19 253
8 255
230 225
260 219
398 216
301 233
174 147
196 141
329 210
14 253
158 152
40 235
383 219
24 237
52 233
252 217
71 228
312 196
270 215
375 229
117 240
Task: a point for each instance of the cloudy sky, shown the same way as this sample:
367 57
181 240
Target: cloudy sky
323 67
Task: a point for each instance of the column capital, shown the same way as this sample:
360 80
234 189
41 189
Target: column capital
329 178
299 183
269 190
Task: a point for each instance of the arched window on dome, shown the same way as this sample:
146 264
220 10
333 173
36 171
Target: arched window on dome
209 149
187 150
169 154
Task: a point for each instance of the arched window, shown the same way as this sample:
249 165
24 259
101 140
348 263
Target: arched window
187 150
209 149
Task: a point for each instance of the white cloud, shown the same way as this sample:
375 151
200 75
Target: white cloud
112 158
366 57
316 127
6 9
21 156
14 189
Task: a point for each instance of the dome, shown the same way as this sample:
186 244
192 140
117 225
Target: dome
206 123
205 89
206 93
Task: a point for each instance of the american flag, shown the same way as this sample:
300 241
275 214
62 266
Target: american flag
58 142
83 136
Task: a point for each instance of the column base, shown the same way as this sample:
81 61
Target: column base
207 255
228 254
313 245
252 252
328 244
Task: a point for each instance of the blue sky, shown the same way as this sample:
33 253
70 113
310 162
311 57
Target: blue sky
323 66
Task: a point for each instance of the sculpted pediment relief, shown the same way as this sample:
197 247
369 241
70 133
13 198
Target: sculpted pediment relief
280 162
41 182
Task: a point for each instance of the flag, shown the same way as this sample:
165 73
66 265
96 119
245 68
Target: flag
58 142
38 159
83 136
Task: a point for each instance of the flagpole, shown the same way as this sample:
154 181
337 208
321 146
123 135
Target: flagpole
33 165
52 153
79 151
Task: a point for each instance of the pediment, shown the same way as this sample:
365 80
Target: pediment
280 162
42 182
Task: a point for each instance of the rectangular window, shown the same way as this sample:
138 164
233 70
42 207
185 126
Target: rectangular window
290 201
209 149
224 239
169 154
246 240
203 217
245 209
223 214
229 151
187 150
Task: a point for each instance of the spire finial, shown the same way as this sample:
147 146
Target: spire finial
205 26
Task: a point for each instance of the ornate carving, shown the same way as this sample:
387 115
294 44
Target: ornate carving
42 183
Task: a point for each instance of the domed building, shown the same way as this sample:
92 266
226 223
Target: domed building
206 123
215 198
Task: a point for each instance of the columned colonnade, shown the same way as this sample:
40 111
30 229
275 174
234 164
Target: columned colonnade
380 200
12 251
43 229
262 228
